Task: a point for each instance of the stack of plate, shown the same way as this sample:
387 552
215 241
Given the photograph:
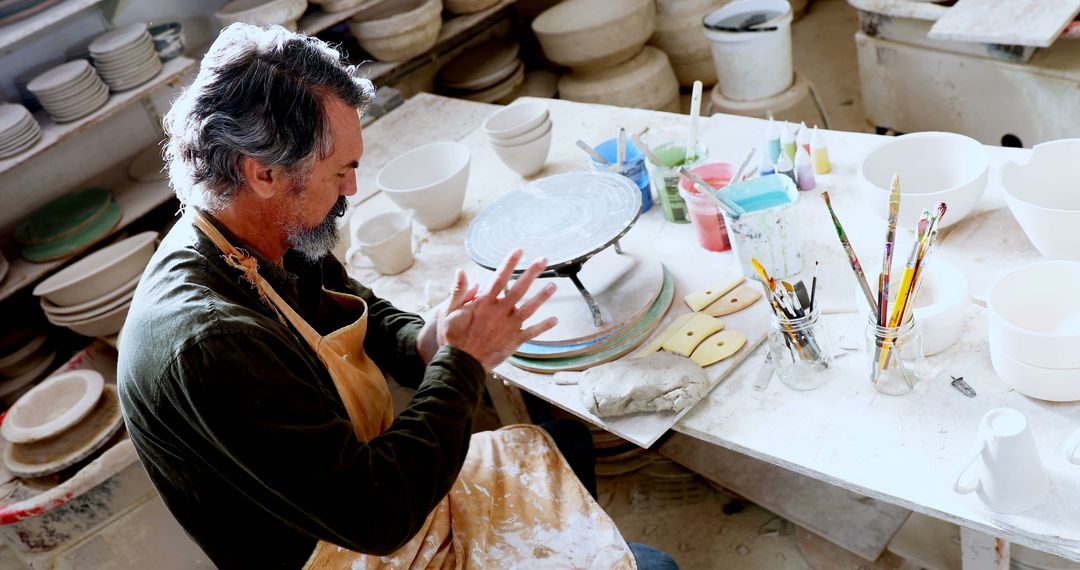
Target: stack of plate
489 72
25 356
18 130
92 296
125 57
70 90
68 225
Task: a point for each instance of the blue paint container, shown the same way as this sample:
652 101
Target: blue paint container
769 230
634 168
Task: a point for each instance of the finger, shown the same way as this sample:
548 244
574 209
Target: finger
502 275
470 295
457 295
527 309
538 329
521 286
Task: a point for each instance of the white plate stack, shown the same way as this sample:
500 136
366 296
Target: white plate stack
125 57
18 130
69 91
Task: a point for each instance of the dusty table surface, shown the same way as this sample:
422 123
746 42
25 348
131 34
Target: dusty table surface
905 450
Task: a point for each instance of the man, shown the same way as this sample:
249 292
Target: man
251 366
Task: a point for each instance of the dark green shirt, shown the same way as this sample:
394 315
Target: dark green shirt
241 430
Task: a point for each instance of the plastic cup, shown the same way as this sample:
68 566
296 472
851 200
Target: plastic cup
705 215
769 230
633 167
665 177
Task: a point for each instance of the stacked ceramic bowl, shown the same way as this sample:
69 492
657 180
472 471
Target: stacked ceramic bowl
68 225
398 30
92 296
1034 330
70 90
18 130
26 355
488 72
169 40
125 57
521 136
284 13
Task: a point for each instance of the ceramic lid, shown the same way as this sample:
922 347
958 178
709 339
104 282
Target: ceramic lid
13 116
118 39
52 406
59 76
77 241
63 216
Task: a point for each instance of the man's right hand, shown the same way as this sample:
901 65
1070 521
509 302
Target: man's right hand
488 326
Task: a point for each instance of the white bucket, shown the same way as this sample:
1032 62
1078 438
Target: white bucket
752 65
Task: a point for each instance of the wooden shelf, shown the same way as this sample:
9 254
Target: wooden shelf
135 199
18 31
318 20
53 133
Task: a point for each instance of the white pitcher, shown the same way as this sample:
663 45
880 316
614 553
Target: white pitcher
1005 470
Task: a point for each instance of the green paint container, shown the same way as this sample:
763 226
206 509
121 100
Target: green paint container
665 177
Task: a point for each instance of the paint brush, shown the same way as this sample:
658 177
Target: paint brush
856 267
890 242
813 286
620 155
644 148
695 114
730 207
592 152
742 167
760 269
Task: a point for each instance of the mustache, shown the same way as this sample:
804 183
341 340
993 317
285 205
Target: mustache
340 207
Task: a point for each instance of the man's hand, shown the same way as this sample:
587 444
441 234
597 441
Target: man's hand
488 325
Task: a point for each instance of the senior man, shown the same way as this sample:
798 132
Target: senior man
252 367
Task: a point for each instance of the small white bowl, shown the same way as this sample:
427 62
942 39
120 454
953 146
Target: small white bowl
510 122
934 167
99 273
1045 203
526 159
524 138
430 181
1035 316
1034 381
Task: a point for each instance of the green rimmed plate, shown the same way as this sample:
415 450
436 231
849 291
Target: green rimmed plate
616 346
78 241
63 217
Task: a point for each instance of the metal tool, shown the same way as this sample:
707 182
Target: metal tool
765 374
964 387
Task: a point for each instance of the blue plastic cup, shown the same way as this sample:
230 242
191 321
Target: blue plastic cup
633 168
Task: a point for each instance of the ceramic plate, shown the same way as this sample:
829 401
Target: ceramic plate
78 241
56 404
74 87
565 218
59 76
12 151
75 92
118 39
129 60
12 116
128 54
63 216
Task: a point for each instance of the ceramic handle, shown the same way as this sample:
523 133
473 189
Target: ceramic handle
1072 449
355 258
965 485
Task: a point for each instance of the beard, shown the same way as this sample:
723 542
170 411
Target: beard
314 243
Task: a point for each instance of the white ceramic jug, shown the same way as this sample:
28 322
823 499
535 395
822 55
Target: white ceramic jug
1005 470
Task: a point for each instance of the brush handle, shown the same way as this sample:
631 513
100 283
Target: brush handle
592 152
621 148
732 209
695 115
644 148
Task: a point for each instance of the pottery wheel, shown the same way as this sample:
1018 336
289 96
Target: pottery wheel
624 285
70 446
565 218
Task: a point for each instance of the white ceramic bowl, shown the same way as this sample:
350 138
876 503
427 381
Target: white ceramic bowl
99 273
646 81
260 12
515 120
397 30
430 181
526 159
586 34
94 306
526 137
107 324
1045 203
1034 381
51 407
934 167
1035 316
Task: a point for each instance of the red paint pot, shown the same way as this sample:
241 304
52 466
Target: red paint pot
702 210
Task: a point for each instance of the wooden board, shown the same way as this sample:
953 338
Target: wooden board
1010 22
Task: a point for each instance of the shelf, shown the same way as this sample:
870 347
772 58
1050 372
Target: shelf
135 199
18 31
318 20
53 133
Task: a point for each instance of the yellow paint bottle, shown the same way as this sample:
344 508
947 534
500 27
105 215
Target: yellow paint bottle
819 153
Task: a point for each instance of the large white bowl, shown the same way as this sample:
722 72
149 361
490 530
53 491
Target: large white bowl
1045 202
586 34
430 181
515 120
398 30
260 12
1034 381
934 167
528 158
1034 315
99 273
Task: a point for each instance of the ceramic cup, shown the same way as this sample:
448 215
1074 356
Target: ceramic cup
1005 470
385 240
1072 449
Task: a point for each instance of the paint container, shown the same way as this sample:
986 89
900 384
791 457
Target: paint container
768 165
802 138
634 167
704 214
819 153
787 142
772 142
769 230
804 172
665 177
751 64
786 167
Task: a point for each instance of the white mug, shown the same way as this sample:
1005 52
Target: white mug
1072 449
1011 477
384 239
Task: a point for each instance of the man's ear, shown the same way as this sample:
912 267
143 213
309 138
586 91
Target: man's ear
265 180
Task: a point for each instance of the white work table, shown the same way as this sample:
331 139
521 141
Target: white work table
904 450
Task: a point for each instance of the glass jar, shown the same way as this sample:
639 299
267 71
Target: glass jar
895 356
801 350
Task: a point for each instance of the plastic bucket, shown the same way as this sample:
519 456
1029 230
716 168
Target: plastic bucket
752 65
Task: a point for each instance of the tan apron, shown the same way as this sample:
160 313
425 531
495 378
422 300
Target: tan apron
515 503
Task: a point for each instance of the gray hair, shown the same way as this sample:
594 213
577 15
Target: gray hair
260 93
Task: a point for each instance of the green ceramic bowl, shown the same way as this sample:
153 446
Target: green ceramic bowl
63 217
77 241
